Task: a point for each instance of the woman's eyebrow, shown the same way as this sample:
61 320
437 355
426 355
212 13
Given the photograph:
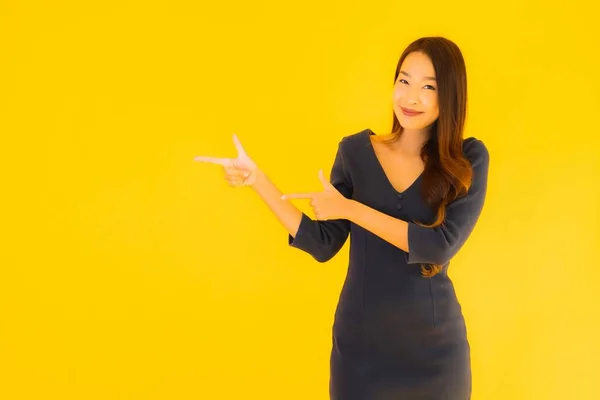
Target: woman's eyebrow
431 78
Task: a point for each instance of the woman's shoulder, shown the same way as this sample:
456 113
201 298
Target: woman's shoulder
356 137
355 141
475 150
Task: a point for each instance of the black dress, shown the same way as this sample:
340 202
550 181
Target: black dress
396 334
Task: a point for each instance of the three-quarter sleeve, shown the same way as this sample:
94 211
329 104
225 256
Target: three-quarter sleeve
323 239
438 245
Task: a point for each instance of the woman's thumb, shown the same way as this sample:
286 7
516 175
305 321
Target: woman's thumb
324 180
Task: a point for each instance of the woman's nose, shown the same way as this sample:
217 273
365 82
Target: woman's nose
412 96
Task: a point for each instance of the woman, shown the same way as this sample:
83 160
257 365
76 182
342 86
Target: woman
409 201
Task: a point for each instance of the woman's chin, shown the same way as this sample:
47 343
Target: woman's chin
412 124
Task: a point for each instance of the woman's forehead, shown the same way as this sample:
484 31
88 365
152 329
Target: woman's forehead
418 65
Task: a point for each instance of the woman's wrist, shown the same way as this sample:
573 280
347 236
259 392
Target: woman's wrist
259 180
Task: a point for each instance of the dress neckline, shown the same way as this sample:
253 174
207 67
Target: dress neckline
368 134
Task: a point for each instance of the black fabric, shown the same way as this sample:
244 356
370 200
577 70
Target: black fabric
396 333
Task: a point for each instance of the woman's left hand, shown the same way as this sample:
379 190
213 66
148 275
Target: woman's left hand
328 204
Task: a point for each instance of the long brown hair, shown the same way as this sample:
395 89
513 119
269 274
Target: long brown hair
448 173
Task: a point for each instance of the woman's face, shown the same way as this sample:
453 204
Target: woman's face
416 89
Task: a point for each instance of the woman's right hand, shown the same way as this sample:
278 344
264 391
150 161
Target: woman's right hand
239 171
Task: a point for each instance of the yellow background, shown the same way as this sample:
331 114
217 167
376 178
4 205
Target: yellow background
130 272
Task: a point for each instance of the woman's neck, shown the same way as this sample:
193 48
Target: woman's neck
410 142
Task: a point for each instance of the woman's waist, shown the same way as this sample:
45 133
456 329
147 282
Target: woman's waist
399 299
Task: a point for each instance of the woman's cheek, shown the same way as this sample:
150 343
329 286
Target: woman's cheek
430 99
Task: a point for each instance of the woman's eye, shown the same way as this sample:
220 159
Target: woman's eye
405 82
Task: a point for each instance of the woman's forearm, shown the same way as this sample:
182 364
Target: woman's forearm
390 229
287 214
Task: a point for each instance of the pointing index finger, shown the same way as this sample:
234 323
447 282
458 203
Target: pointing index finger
226 162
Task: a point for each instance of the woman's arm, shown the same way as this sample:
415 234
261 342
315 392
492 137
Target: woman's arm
432 245
286 212
391 229
321 239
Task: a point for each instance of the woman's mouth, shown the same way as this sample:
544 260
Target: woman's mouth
410 113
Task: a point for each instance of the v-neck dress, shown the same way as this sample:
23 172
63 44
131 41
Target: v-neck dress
396 333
